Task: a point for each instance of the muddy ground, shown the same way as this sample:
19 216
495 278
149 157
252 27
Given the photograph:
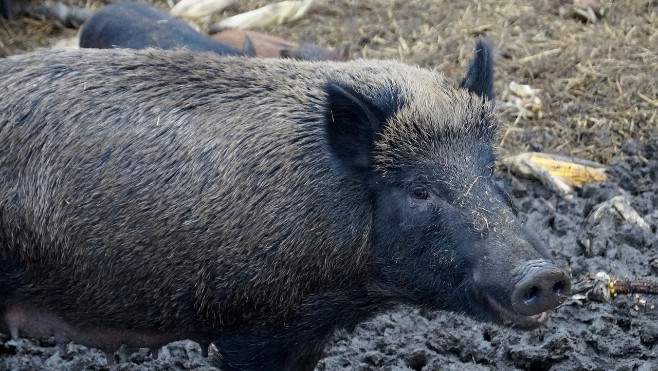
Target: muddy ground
599 101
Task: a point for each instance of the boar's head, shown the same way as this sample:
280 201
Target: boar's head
445 233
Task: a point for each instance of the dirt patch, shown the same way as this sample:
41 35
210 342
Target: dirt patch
599 87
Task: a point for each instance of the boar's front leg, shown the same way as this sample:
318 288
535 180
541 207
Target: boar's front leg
299 343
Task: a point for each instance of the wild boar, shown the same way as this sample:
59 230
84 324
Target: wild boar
260 204
139 26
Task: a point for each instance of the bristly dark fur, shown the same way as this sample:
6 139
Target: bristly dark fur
260 204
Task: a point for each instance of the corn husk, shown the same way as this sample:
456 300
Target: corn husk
273 14
561 173
198 8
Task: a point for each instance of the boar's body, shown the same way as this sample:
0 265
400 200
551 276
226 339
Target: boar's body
140 26
149 196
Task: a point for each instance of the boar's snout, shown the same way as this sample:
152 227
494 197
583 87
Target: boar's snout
541 286
516 280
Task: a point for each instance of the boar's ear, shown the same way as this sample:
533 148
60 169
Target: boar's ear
479 77
353 121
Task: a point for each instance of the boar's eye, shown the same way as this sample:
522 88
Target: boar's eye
420 193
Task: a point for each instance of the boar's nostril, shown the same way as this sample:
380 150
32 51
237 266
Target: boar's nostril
558 287
532 294
542 286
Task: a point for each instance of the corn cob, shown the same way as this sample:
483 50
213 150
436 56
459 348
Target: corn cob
561 172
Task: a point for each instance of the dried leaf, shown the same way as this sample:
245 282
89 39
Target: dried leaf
619 205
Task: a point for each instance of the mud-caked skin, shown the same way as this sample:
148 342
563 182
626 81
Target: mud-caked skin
139 26
150 196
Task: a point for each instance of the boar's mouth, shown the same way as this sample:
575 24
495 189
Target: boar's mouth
510 318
